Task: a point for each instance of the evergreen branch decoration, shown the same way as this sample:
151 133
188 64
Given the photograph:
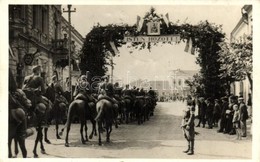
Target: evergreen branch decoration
206 38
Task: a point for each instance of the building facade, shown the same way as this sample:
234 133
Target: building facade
36 37
174 87
243 29
77 42
177 81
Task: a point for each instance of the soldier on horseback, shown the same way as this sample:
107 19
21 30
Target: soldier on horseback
58 91
34 88
18 104
128 100
106 91
55 93
83 91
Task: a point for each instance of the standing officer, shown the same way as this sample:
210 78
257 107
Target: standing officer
188 126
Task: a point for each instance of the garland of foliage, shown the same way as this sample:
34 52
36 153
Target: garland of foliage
205 37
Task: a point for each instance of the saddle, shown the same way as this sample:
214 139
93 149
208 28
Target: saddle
101 97
140 97
128 97
80 96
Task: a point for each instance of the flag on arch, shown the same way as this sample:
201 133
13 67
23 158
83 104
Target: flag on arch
139 23
112 44
189 47
166 19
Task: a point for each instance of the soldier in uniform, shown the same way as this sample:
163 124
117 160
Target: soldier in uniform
188 126
17 126
34 88
106 91
102 86
83 91
127 92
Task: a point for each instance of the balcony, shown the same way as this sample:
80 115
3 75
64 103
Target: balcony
60 47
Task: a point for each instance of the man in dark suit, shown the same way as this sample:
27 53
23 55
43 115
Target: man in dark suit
243 116
223 121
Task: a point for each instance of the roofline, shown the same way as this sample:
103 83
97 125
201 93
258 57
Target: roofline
247 8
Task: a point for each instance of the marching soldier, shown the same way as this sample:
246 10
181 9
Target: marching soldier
188 126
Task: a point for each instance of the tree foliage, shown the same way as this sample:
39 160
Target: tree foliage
236 61
196 85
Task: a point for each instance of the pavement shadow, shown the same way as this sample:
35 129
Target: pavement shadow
122 144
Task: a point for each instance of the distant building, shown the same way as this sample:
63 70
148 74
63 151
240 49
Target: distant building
243 28
177 81
175 86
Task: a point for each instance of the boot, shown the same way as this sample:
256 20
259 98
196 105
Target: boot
191 151
186 151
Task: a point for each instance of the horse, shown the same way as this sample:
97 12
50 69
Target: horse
105 115
40 110
58 112
84 111
139 109
127 108
17 123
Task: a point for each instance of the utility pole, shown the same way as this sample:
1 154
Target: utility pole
69 17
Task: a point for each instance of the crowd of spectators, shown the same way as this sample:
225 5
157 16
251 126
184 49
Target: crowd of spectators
229 114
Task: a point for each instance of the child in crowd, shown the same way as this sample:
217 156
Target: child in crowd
236 121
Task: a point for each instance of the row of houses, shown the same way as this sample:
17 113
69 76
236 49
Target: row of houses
38 35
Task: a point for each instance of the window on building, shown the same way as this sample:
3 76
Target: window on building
35 16
241 88
57 24
40 18
174 81
180 82
22 12
17 12
44 22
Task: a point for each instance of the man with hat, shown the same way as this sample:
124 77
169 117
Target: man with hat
34 85
224 107
243 116
83 90
34 88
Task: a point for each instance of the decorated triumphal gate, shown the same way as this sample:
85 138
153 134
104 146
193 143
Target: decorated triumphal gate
151 29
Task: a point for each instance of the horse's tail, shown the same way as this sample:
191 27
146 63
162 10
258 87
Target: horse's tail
69 117
99 111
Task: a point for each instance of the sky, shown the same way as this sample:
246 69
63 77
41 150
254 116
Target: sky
157 63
